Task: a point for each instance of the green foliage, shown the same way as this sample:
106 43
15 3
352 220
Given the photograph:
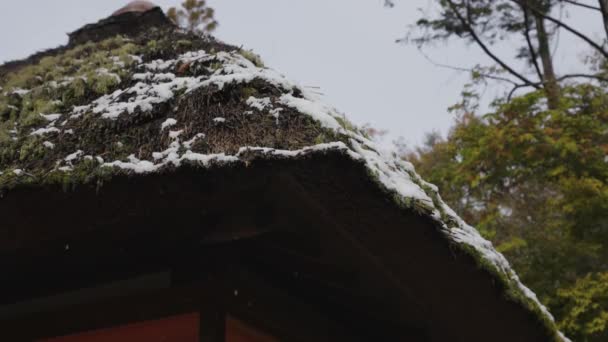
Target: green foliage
183 43
4 132
246 92
194 15
586 308
252 57
31 149
535 182
345 123
531 176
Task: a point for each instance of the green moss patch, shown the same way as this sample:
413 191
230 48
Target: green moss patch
252 57
58 82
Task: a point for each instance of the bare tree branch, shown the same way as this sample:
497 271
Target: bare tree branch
485 48
595 77
515 88
560 79
576 3
533 56
563 25
456 68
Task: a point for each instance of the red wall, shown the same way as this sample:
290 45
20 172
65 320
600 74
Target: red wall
183 328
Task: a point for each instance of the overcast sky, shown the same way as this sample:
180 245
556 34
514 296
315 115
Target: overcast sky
345 47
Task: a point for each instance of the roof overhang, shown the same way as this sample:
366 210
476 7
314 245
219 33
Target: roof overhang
401 267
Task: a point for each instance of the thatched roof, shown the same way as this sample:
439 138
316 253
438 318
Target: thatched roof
155 100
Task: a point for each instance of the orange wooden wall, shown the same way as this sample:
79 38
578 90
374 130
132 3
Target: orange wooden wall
183 328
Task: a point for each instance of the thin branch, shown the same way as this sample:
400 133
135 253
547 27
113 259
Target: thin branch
533 56
595 77
562 24
558 32
484 47
576 3
560 79
515 88
451 67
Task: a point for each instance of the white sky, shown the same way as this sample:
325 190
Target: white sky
345 47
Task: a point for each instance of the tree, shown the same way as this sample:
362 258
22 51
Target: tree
486 23
535 181
195 16
532 174
585 306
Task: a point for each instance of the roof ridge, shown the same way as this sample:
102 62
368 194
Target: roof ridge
124 23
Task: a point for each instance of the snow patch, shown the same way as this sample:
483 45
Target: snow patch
175 134
43 131
158 86
50 117
258 103
188 144
117 61
20 92
317 110
276 113
74 156
168 123
136 59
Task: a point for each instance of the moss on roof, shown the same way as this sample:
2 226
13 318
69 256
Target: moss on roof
42 119
162 97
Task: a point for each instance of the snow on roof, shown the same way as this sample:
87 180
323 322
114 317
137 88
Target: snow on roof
155 83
